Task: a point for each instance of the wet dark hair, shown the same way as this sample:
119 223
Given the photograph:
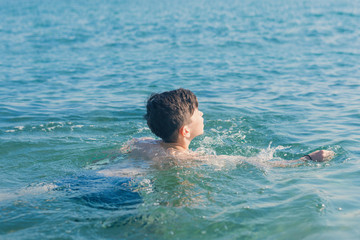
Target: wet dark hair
167 112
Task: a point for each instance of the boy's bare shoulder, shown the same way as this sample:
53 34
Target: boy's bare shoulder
147 148
145 142
152 149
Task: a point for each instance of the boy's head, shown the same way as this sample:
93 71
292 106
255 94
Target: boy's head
167 112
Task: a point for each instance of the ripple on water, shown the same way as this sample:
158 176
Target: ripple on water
74 81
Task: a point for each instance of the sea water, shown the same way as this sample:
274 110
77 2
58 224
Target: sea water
275 80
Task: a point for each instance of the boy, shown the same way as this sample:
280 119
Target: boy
175 118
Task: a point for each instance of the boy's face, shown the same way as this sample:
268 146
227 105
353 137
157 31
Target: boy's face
196 124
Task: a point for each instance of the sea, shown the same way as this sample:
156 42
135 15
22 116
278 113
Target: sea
275 80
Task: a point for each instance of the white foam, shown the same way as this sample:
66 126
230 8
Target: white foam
76 126
38 188
6 196
31 190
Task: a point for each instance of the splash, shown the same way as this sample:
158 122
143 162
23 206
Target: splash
262 160
266 155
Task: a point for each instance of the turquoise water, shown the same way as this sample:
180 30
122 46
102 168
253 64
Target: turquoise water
275 79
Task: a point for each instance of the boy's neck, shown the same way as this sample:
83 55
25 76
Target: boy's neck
181 145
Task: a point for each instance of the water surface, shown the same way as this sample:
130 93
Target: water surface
274 79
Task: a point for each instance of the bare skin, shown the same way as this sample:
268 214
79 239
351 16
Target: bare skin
161 152
170 154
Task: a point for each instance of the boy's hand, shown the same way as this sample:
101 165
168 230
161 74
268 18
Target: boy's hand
320 156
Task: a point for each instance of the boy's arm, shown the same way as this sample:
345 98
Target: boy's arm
317 156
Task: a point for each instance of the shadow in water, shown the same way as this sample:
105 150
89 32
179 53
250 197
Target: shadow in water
97 191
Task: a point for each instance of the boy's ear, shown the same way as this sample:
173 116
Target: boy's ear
184 131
